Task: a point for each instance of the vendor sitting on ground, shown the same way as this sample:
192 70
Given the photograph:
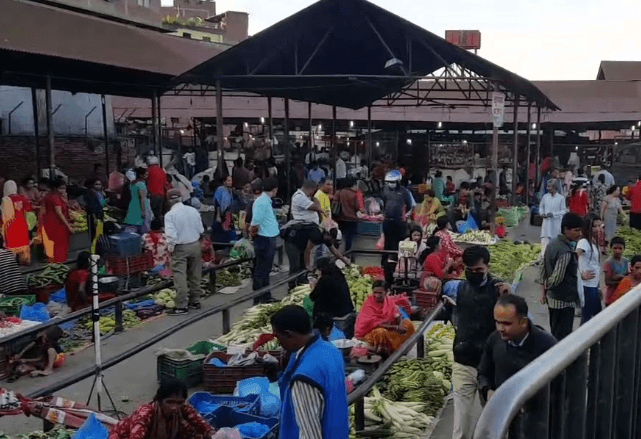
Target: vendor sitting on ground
78 283
430 209
436 270
331 296
380 323
167 416
41 356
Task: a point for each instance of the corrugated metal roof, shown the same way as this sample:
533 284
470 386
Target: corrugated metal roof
619 70
83 53
335 52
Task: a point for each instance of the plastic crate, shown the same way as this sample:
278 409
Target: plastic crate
203 402
122 266
426 300
224 379
125 244
226 417
14 310
43 294
188 371
369 228
204 348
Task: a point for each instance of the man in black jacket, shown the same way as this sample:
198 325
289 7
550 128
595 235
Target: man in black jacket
559 276
475 302
515 343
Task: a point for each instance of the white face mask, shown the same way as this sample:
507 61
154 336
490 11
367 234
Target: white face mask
392 185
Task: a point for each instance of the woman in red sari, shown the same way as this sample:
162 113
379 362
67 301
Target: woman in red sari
168 416
56 228
15 229
449 249
380 323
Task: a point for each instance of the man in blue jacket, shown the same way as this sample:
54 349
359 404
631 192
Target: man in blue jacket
312 387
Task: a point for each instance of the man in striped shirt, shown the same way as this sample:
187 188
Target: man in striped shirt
312 387
559 276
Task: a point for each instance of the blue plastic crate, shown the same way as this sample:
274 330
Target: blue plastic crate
206 403
369 228
226 417
125 244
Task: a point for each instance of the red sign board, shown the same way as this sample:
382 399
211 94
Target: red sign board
465 39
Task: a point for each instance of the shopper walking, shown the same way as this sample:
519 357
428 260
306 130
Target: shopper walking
312 387
551 209
475 301
184 228
398 205
139 208
345 208
157 186
590 267
559 276
264 228
610 210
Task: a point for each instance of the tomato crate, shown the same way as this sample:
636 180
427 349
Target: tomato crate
10 306
133 264
426 300
224 379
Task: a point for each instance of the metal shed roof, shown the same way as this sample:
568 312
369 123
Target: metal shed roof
83 53
619 70
348 53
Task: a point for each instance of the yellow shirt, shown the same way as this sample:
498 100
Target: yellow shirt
326 205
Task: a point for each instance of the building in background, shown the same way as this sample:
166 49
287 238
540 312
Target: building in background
198 20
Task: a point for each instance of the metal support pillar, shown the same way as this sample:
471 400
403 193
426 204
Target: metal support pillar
159 143
370 146
312 148
105 131
220 135
271 124
527 161
287 150
50 136
36 131
495 175
515 152
429 152
334 142
154 121
551 139
538 147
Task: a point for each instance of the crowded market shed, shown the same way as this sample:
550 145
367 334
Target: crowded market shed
80 53
354 54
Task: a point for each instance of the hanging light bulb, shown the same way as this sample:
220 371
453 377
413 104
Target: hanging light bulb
440 124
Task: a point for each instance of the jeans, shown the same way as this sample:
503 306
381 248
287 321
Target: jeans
187 265
265 249
592 304
348 229
561 322
465 386
157 203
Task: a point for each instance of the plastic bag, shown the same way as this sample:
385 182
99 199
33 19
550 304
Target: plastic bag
35 313
242 249
470 224
92 429
227 433
380 244
253 430
59 296
252 386
269 405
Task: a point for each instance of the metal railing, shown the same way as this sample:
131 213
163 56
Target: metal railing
588 386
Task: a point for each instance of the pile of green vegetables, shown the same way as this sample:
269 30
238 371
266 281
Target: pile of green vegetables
53 274
56 433
227 278
632 241
508 258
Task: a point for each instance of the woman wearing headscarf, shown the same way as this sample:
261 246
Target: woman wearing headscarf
380 323
56 228
15 228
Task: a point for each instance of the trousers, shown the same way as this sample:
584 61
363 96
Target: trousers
561 322
187 265
265 249
592 303
465 385
296 262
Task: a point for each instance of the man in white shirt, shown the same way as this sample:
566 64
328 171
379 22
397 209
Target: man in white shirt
304 206
551 209
184 227
341 169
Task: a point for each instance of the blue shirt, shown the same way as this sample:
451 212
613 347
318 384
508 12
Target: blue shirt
263 217
316 175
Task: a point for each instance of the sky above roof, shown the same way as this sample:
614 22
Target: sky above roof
542 40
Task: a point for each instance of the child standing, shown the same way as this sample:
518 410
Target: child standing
615 268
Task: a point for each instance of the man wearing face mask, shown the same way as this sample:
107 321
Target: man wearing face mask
398 203
475 301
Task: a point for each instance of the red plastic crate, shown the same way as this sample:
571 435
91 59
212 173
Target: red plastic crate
131 265
426 300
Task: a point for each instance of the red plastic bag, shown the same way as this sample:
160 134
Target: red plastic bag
380 244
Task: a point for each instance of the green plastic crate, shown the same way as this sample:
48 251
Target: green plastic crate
188 371
13 310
